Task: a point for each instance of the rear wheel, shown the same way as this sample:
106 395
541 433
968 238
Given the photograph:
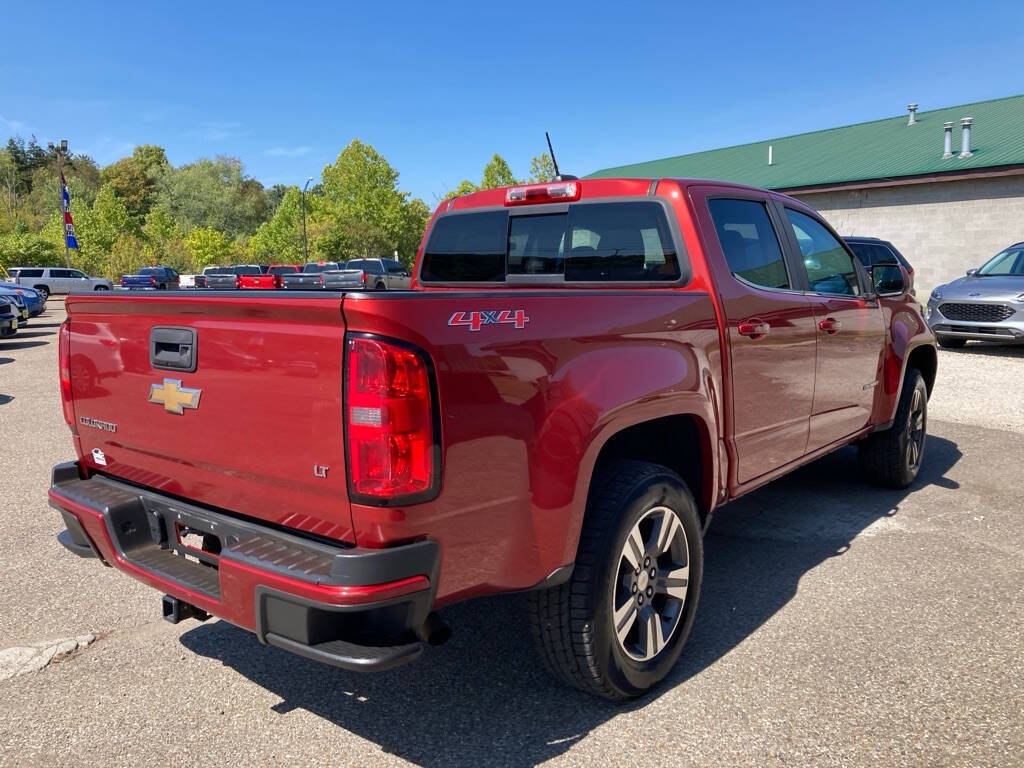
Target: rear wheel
950 342
893 458
100 288
618 626
43 291
380 287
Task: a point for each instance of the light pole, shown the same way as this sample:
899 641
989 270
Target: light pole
60 151
305 253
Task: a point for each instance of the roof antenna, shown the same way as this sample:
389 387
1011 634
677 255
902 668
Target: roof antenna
558 175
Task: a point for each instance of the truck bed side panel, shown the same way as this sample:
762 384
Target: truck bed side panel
525 411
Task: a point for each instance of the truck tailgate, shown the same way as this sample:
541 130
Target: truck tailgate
260 435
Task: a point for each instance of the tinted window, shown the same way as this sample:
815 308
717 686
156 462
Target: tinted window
77 273
248 270
218 271
155 271
1009 262
535 244
327 267
60 273
283 270
606 242
373 267
467 247
749 242
394 267
870 254
30 273
620 241
829 267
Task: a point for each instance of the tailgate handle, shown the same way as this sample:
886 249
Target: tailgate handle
173 349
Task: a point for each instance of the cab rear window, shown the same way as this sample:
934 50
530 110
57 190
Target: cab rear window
591 242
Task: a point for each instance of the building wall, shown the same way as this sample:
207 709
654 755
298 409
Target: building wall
943 228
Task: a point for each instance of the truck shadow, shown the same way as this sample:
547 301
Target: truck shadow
485 699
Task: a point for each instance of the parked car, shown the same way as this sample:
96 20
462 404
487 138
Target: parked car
985 305
382 274
220 278
48 280
191 282
323 276
598 430
33 299
10 317
873 250
20 306
152 279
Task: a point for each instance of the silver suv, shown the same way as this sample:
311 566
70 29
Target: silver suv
49 280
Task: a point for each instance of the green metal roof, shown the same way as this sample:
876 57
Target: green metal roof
880 149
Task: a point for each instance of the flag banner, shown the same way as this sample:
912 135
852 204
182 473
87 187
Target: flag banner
69 226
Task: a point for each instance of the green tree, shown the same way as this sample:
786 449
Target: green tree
163 243
127 256
213 194
498 174
21 248
280 239
208 247
132 185
362 186
542 168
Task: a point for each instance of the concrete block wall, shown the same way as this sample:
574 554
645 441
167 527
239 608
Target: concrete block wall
943 228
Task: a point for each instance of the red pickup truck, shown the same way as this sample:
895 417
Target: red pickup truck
581 374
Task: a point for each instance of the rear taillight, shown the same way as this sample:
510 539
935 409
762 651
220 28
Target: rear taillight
238 281
122 281
364 278
152 281
391 444
64 365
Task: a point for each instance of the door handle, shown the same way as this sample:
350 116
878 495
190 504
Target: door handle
830 325
173 349
754 328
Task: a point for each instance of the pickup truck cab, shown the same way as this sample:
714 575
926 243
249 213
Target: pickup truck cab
152 279
581 374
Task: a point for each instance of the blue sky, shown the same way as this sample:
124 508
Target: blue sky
438 88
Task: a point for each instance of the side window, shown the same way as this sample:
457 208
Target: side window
829 267
55 273
77 273
30 273
373 267
749 242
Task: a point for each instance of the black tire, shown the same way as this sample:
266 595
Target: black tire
889 458
43 291
101 288
380 287
573 624
950 342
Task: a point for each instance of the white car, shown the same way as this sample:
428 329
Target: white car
48 280
189 281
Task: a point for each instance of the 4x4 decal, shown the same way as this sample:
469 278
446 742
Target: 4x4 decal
477 319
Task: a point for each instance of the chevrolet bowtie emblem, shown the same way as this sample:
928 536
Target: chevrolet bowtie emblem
173 396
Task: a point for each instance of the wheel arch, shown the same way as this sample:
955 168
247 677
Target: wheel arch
682 441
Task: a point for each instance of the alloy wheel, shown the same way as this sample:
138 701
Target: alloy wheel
651 584
915 431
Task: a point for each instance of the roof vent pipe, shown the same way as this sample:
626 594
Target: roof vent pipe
912 109
769 154
965 142
947 146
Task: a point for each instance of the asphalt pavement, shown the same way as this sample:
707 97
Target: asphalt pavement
839 624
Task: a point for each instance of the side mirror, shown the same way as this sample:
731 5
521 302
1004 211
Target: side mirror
972 272
889 279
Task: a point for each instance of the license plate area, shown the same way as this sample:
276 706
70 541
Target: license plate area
195 545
